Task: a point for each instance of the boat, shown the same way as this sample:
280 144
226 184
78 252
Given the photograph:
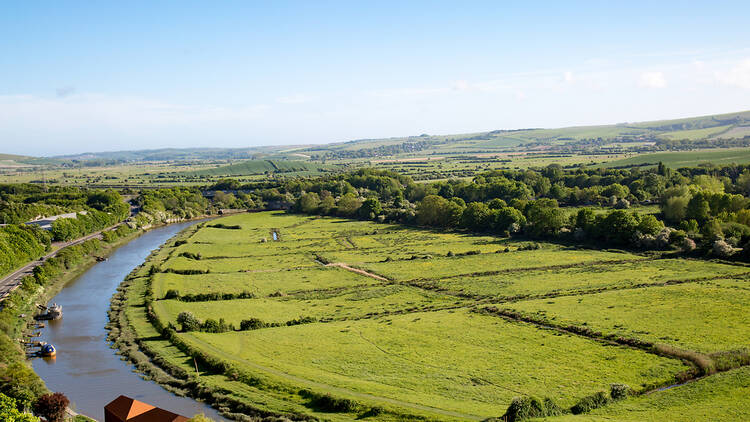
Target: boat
50 312
48 351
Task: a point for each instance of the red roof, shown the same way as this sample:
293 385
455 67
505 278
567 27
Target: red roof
125 409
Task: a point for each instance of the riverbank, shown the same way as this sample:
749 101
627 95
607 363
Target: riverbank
17 321
20 309
158 360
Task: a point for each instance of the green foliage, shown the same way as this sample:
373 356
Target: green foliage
619 391
589 403
19 245
528 407
9 411
200 418
188 321
437 211
21 383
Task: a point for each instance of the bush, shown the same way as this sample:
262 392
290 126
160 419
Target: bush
252 324
190 255
19 382
52 407
9 411
619 391
224 226
328 403
172 294
527 407
590 403
188 321
212 326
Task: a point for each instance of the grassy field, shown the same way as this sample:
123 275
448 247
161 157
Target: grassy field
687 158
396 324
721 397
706 317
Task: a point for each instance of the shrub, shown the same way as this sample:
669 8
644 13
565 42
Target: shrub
619 391
9 411
191 255
19 382
527 407
187 272
590 403
301 320
328 403
224 226
188 321
52 406
212 326
172 294
200 418
252 324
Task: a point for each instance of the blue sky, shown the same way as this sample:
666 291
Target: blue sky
80 76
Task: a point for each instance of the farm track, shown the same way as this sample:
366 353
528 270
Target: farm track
344 266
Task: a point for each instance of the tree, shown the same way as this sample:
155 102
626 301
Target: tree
9 411
308 203
709 183
370 208
712 231
618 227
545 218
348 205
508 218
650 225
327 203
496 204
188 321
476 216
698 208
21 383
585 219
52 406
674 208
435 210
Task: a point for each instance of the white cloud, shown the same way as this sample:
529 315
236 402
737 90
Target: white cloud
653 80
461 85
568 77
738 76
295 99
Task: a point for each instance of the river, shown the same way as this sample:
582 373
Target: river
86 369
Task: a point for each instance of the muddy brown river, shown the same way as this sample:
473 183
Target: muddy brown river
86 369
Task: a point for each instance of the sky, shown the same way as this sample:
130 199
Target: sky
107 76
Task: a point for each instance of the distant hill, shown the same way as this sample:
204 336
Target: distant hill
704 128
250 167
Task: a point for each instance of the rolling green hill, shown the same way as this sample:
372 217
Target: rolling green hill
250 167
679 159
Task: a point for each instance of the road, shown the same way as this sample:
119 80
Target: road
13 280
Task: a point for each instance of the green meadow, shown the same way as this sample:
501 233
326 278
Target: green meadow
352 320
